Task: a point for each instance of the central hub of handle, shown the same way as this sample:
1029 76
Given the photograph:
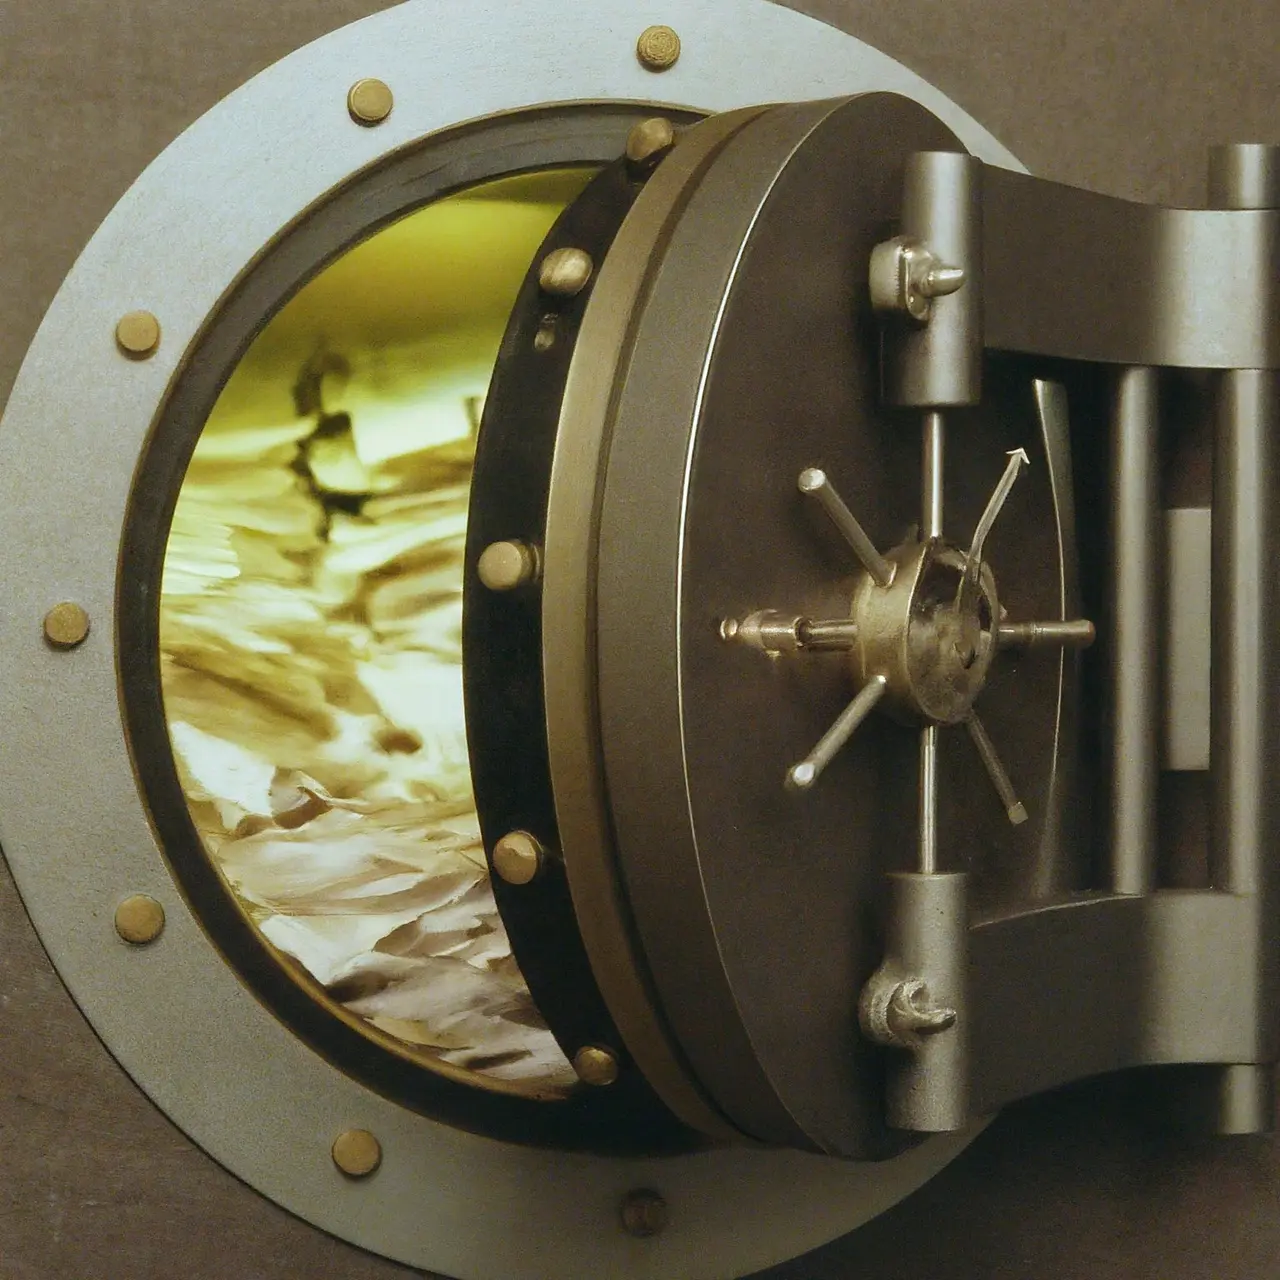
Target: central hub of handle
931 641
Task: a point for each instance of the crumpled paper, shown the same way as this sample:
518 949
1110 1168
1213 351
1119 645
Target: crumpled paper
312 671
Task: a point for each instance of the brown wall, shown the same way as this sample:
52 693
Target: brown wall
1119 95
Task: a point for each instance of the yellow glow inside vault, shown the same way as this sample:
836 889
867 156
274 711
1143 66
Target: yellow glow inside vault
311 633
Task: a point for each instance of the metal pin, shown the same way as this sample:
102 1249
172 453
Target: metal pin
996 771
774 633
802 776
813 483
973 566
767 630
911 1013
933 473
1077 634
929 800
827 635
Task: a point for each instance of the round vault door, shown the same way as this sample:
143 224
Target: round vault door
502 645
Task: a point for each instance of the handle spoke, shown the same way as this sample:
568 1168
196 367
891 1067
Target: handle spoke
995 770
995 504
813 483
802 776
1076 634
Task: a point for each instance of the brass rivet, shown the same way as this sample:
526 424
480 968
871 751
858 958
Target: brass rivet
564 272
370 101
503 566
649 141
139 920
517 857
644 1214
357 1153
66 625
658 48
138 335
595 1066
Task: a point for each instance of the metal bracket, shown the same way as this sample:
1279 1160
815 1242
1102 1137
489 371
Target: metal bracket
1135 974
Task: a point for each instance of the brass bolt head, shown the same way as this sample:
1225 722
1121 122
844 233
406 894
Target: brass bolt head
66 625
658 48
139 920
649 141
370 102
517 857
596 1066
504 566
138 335
357 1153
644 1214
564 272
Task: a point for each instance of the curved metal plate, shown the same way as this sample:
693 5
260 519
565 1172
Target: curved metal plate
502 650
755 357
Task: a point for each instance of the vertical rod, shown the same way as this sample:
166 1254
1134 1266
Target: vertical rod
1244 613
927 1089
1241 740
933 470
1135 612
940 363
929 800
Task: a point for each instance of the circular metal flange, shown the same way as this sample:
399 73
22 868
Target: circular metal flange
933 665
264 1103
502 649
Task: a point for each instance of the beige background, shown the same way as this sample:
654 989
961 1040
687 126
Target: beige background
1120 95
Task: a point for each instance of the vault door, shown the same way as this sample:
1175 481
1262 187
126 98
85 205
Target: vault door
736 647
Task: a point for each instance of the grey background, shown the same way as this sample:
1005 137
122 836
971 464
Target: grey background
1122 96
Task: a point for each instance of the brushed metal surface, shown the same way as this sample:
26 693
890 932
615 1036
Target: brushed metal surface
1137 658
1064 266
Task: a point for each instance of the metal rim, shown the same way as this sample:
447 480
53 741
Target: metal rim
72 823
502 647
568 605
